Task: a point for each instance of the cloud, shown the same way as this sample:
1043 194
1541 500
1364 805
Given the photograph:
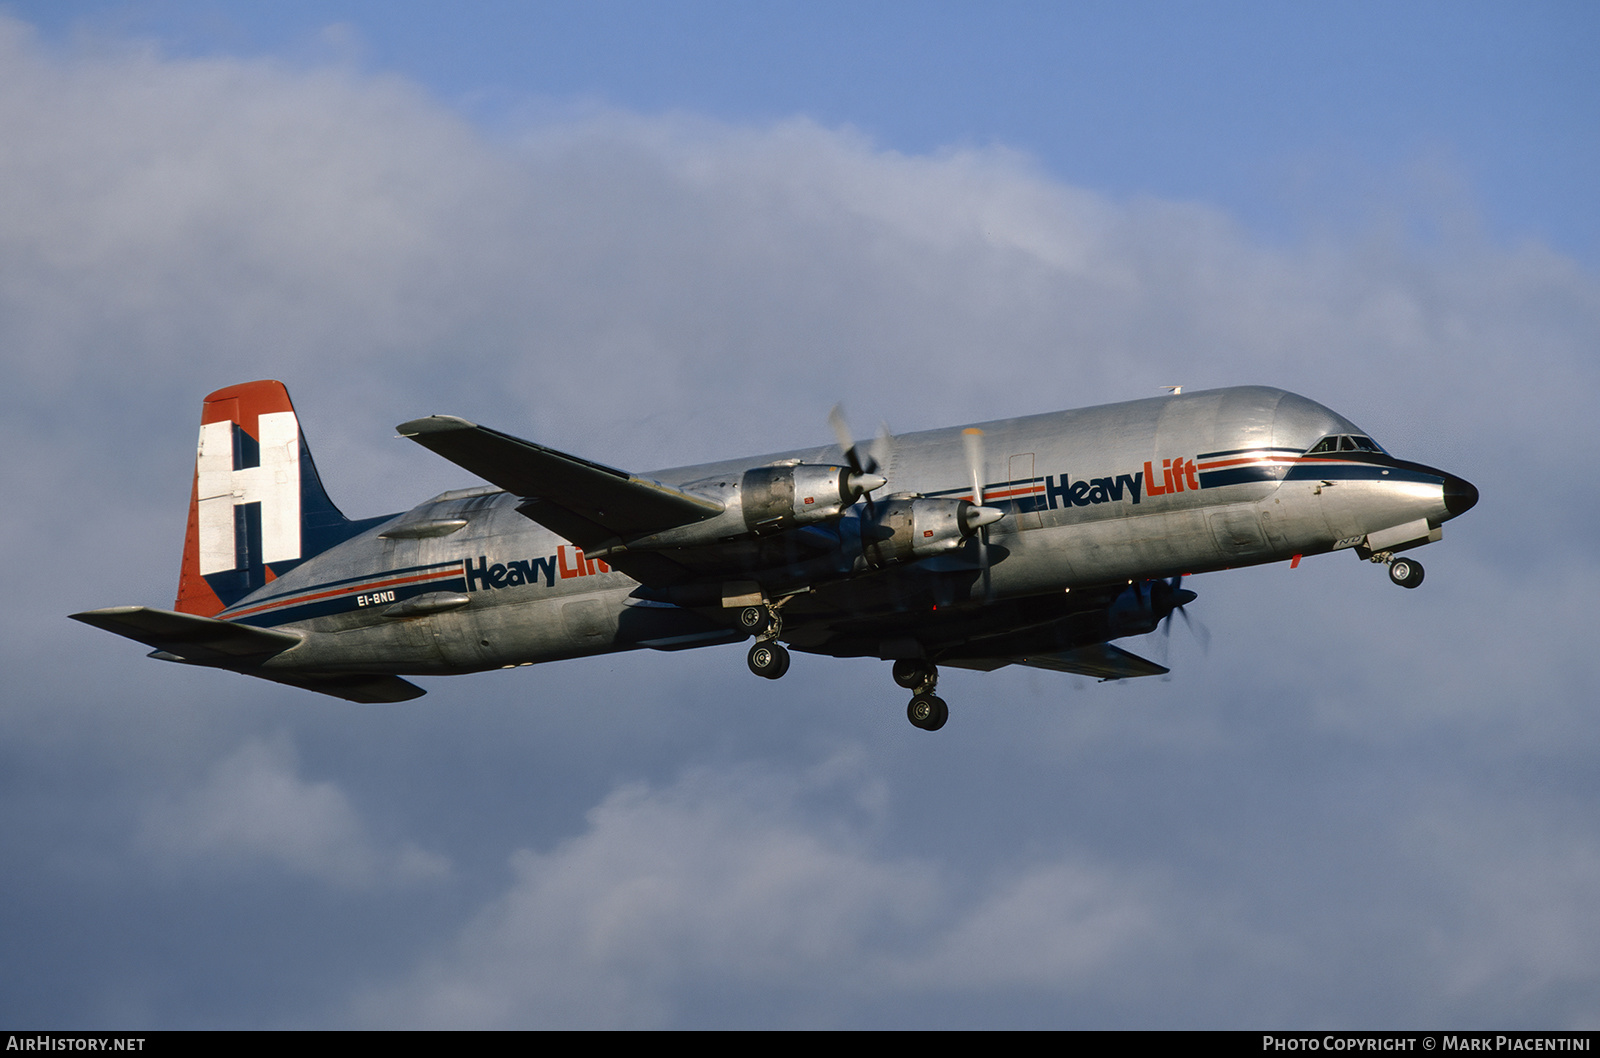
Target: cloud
254 810
724 884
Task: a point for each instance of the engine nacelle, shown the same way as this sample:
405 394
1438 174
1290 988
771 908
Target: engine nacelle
907 528
760 501
784 496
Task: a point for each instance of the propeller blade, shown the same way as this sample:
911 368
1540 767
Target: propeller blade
1175 599
847 445
882 450
864 478
1197 628
972 440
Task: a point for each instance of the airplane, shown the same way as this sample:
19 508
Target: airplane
1030 541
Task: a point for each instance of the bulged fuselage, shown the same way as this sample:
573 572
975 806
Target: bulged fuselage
1095 502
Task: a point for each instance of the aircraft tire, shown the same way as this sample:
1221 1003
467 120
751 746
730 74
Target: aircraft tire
1406 572
912 673
768 660
928 712
754 620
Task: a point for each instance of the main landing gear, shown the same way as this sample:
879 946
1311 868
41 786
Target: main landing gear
1406 572
768 658
926 709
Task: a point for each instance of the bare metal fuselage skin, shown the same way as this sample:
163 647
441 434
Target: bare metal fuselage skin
1095 500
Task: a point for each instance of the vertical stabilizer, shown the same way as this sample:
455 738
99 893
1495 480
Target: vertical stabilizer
257 509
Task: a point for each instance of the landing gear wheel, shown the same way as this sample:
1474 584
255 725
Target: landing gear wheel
928 712
769 660
912 673
1406 572
754 620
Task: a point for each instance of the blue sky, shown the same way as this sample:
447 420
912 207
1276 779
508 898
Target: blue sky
1287 115
659 234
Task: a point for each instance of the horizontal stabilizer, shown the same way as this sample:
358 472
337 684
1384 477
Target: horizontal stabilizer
190 637
225 644
595 504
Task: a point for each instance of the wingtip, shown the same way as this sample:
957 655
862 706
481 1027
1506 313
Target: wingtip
433 424
99 617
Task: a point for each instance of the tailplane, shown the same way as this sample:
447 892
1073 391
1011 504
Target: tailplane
258 508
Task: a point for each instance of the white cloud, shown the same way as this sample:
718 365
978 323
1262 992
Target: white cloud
724 882
254 809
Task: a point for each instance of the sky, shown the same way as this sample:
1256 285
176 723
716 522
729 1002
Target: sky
657 234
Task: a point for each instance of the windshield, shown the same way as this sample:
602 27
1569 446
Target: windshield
1344 442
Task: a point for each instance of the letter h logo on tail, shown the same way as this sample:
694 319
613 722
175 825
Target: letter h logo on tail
245 511
248 493
258 508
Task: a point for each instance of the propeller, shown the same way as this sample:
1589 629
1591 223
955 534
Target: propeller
1171 596
979 518
864 476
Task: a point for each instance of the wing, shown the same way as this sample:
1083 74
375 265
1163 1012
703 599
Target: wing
600 503
591 504
1100 660
360 687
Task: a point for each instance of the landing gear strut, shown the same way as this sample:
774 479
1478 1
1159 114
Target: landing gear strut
926 710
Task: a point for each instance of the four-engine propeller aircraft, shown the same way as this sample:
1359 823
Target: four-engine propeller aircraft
1032 541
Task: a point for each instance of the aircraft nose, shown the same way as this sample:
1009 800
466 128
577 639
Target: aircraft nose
1460 495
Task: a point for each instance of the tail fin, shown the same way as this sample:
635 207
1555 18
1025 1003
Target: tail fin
258 508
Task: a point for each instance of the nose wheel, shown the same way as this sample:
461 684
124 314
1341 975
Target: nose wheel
1406 572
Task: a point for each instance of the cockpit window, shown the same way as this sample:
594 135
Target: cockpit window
1344 443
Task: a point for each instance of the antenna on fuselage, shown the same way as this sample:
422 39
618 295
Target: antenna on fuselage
1174 390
